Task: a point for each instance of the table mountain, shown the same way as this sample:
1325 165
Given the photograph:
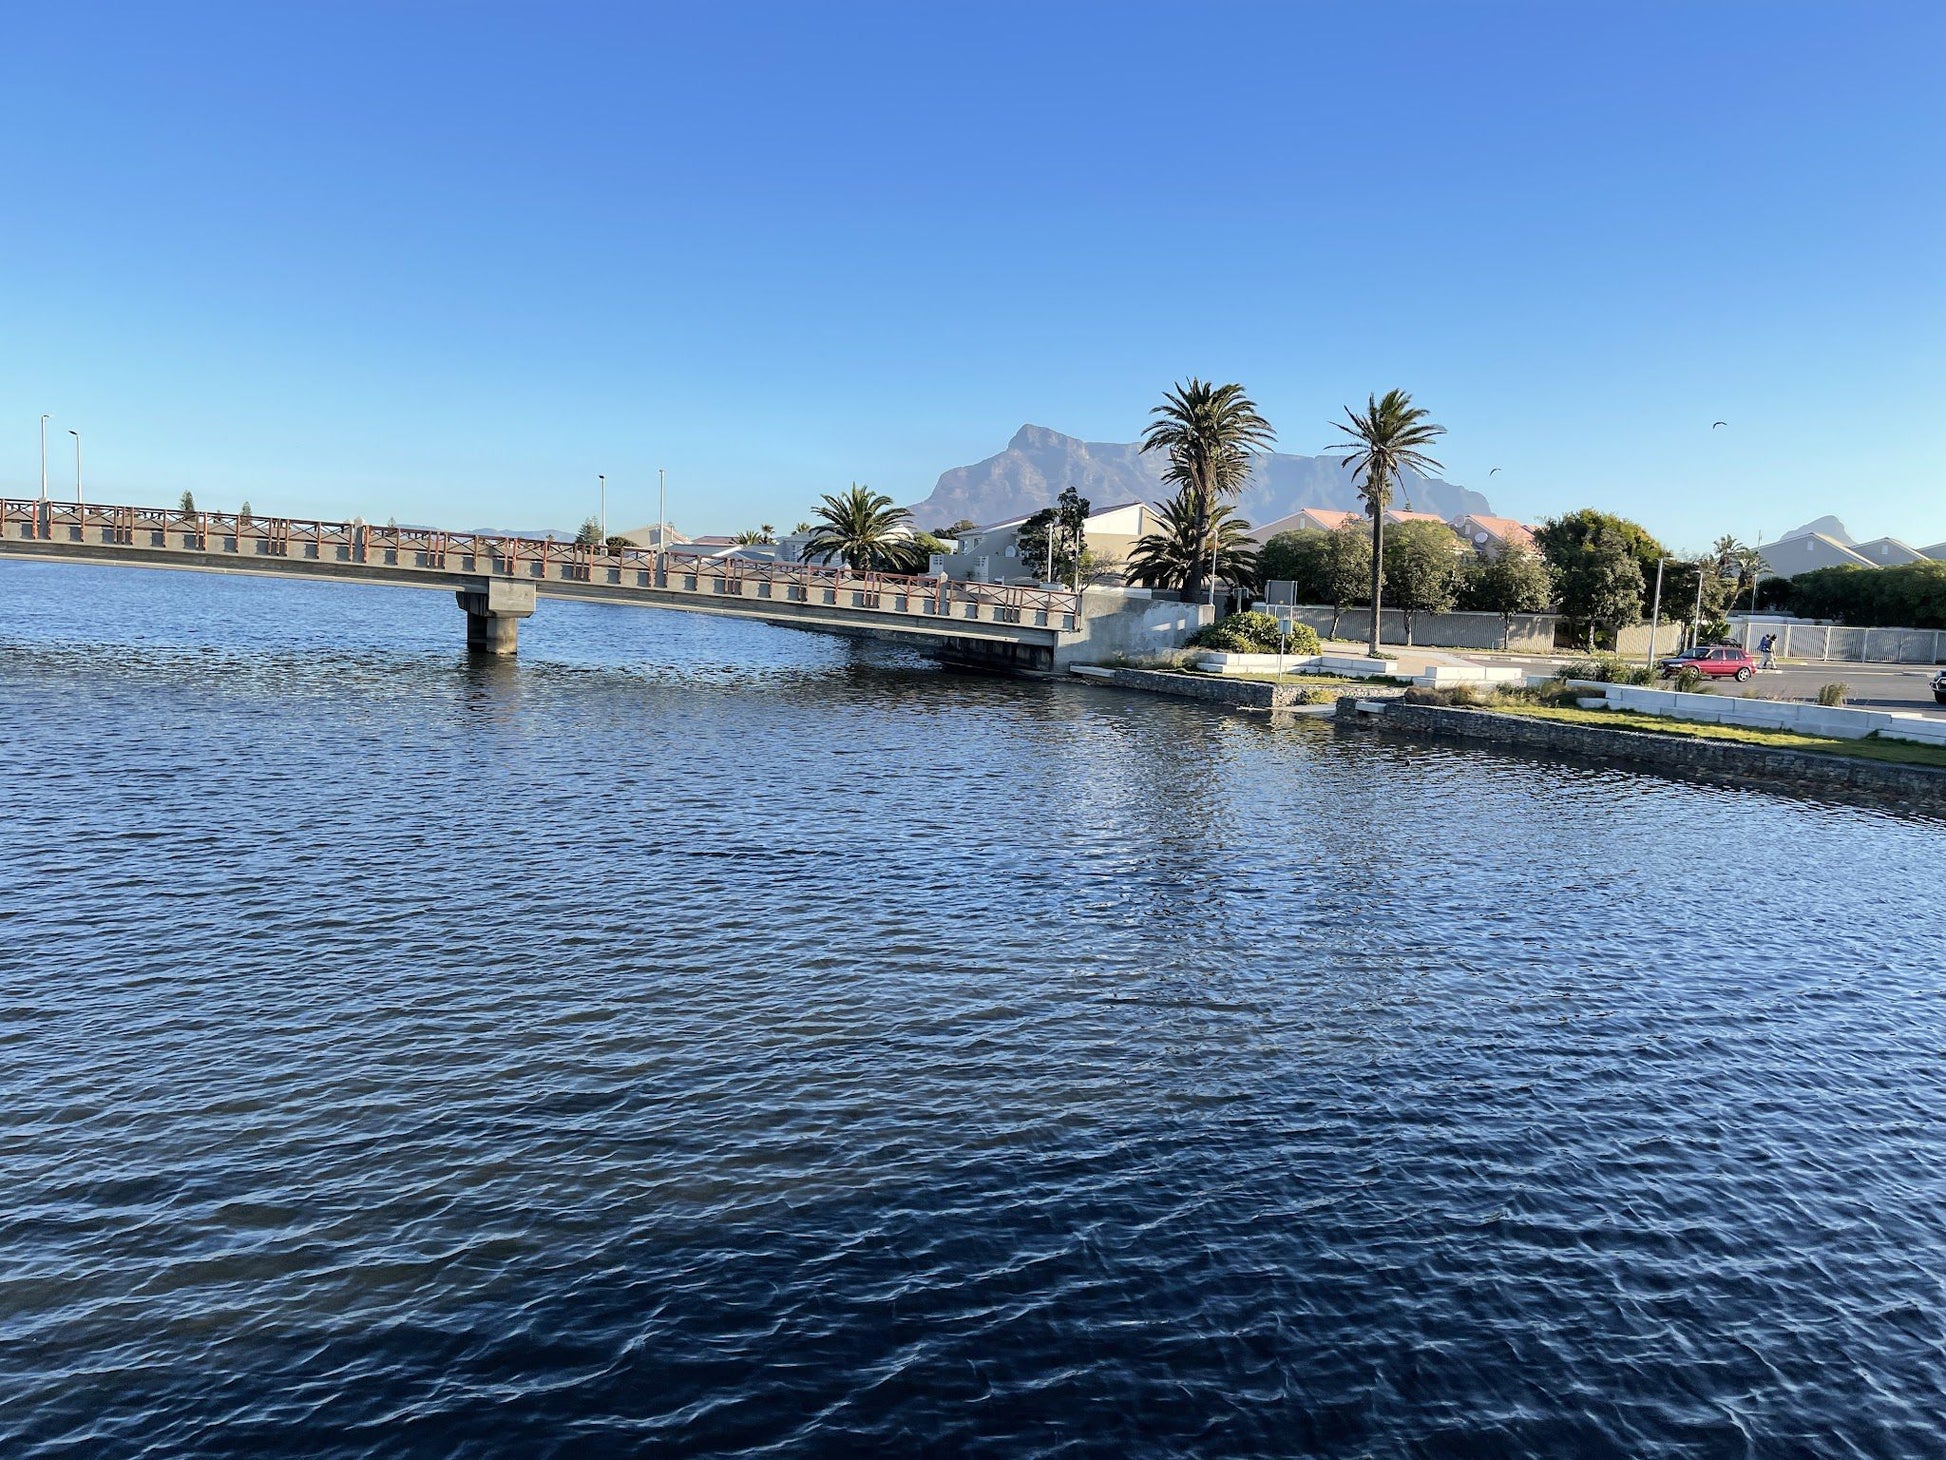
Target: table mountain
1039 463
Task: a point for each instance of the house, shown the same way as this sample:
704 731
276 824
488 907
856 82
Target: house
1493 536
1311 519
991 554
647 536
1889 552
1393 517
1937 552
1807 551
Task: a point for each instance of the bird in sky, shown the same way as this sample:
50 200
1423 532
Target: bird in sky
1489 474
1713 426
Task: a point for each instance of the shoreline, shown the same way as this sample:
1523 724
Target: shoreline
1728 762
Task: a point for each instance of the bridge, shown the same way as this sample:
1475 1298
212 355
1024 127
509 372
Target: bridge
497 581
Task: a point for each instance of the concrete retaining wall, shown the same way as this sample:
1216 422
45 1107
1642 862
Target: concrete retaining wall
1725 760
1258 694
1835 722
1116 622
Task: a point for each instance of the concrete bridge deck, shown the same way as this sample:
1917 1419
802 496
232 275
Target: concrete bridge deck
497 580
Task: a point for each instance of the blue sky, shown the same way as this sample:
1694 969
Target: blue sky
446 262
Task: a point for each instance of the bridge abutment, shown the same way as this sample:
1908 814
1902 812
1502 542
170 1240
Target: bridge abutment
494 609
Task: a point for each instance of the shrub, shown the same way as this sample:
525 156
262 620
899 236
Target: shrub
1834 694
1608 669
1689 679
1255 633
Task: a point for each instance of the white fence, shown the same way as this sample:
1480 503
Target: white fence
1825 642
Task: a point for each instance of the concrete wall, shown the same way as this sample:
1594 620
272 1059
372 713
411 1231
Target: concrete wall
1736 762
1117 621
1533 633
1835 722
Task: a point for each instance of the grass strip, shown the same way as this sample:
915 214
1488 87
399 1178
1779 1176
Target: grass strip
1897 752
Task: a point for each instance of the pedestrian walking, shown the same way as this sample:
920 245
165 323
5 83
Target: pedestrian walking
1765 645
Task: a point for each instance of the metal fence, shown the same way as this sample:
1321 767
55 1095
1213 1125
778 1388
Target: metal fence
1837 642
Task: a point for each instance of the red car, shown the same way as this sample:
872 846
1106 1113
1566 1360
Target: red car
1717 661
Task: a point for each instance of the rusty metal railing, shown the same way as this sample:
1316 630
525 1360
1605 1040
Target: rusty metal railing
542 560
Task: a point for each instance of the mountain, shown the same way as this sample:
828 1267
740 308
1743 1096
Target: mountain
1039 463
1831 527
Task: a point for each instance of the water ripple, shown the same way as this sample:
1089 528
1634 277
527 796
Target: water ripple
704 1038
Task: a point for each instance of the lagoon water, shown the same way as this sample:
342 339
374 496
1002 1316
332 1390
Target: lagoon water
702 1038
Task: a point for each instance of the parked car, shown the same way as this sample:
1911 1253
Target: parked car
1938 687
1716 661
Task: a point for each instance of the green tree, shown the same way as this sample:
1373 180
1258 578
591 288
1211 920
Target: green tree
1559 537
1347 570
1911 595
1178 553
1600 583
1296 558
1062 528
1391 437
188 504
243 513
1517 581
1321 567
1209 433
589 533
959 529
866 531
1422 569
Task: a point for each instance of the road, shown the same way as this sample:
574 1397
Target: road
1873 686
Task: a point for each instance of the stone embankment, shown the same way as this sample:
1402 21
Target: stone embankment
1737 762
1255 694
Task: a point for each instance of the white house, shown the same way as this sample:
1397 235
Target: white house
991 554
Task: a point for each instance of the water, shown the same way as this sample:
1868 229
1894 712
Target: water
703 1038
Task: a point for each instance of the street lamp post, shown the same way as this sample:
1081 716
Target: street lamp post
77 466
43 456
662 525
604 507
1655 614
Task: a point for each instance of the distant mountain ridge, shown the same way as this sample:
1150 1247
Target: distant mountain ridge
1039 463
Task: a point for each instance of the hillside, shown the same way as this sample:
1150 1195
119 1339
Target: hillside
1038 464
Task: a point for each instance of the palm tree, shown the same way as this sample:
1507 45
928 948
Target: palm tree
862 527
1388 439
1182 549
1209 432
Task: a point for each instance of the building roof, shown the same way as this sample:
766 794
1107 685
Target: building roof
1807 552
1500 529
1393 514
1937 552
1888 552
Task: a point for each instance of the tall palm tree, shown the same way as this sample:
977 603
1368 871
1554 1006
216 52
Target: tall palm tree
1183 546
862 528
1209 432
1389 438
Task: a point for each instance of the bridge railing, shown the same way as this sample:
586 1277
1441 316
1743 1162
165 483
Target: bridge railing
543 559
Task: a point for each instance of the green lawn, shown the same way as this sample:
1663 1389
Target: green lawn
1899 752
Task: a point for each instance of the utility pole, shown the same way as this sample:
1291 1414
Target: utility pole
1655 615
1696 623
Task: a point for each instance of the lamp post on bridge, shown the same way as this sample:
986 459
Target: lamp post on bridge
662 525
43 456
77 466
604 508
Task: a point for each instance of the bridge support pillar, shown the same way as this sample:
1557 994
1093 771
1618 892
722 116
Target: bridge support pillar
494 608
